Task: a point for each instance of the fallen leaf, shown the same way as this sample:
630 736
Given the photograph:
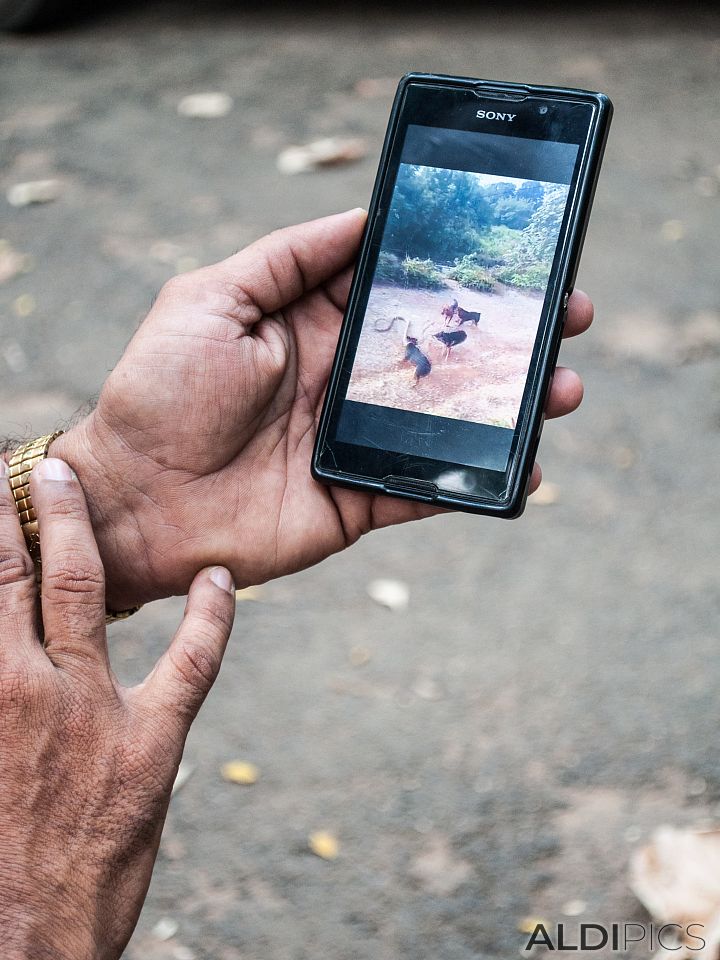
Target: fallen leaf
707 186
324 845
359 656
438 870
393 594
12 263
165 929
33 191
529 925
240 771
205 106
329 152
546 494
372 87
249 593
672 230
677 878
24 305
185 771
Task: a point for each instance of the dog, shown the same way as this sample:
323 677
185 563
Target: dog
450 339
467 316
449 311
413 354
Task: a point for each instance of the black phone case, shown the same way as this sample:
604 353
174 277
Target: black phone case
514 502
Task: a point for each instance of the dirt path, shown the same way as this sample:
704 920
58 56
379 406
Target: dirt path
483 378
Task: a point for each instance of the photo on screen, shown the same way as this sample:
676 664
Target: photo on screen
457 294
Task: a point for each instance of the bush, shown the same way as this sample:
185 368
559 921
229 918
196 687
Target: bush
533 277
470 274
389 268
411 272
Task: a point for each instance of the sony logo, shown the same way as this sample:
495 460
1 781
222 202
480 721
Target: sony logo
491 115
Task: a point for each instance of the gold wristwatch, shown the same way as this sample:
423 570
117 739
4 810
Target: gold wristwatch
21 464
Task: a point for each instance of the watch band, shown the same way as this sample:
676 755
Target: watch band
21 464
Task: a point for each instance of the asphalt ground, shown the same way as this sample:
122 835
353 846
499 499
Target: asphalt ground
550 696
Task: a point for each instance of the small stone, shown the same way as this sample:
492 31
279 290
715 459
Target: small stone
165 929
212 105
324 845
240 771
33 191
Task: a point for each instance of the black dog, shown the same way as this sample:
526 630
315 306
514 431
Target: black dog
413 354
467 316
450 339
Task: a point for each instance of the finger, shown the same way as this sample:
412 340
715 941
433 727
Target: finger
183 676
535 478
279 268
580 314
73 581
18 593
566 393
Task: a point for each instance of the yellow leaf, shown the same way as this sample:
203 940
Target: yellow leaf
324 844
240 771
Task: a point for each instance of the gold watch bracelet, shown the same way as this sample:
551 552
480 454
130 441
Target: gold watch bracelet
20 467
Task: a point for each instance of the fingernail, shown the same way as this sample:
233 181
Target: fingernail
54 469
3 468
221 578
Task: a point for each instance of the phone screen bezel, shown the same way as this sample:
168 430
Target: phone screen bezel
570 118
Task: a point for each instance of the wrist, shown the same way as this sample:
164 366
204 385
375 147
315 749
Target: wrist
116 511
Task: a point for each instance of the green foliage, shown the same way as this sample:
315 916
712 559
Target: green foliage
410 272
389 268
469 273
532 277
422 273
485 232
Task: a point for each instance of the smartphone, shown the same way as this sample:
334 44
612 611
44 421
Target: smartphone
455 314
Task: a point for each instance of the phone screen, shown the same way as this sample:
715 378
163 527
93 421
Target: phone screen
450 313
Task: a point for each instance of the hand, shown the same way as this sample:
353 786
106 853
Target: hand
199 449
86 766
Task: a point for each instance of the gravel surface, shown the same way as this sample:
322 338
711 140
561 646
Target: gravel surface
550 695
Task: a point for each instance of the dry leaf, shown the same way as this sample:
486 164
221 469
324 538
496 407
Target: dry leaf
438 870
359 656
165 929
24 305
677 878
185 771
240 771
33 191
546 494
329 152
249 593
393 594
324 844
11 262
372 87
672 230
205 106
